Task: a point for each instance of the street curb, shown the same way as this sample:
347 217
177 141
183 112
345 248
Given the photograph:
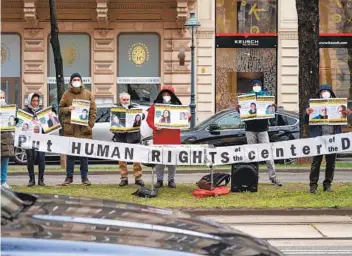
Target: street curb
280 211
183 171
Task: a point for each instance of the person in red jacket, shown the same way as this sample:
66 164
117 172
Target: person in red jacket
164 136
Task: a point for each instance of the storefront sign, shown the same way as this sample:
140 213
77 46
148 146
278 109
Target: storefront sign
138 80
335 41
85 80
246 42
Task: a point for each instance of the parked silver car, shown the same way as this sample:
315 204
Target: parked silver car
100 132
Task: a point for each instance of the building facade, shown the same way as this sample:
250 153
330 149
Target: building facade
116 45
134 46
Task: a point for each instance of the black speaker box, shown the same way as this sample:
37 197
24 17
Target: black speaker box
244 177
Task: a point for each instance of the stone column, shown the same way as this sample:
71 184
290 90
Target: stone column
104 65
33 63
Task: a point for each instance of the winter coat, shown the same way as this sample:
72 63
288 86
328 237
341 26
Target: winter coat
317 130
7 143
127 137
260 125
29 109
164 136
75 130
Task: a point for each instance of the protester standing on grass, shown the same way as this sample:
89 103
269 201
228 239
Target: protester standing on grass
7 147
76 90
164 136
325 92
257 130
33 155
131 138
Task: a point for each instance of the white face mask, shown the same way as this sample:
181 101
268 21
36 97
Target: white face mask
166 98
125 105
76 84
257 88
325 95
2 102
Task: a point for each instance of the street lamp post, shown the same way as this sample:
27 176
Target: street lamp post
192 23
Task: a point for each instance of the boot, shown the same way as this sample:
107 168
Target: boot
275 181
139 183
67 181
31 182
313 189
159 184
86 182
123 183
172 184
41 182
327 188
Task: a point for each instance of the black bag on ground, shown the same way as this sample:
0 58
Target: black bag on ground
244 177
218 179
145 192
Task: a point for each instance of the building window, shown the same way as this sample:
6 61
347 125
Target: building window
246 48
336 47
75 52
11 68
139 66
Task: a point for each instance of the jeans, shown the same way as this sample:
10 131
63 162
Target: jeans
159 168
4 165
262 137
34 156
70 166
329 170
137 170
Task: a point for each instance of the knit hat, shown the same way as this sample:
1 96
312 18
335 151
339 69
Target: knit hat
75 75
256 81
168 88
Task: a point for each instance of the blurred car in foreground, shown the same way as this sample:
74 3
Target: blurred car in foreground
63 225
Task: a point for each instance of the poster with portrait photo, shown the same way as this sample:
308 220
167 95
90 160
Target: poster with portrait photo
336 111
24 121
49 120
7 117
265 108
319 116
125 120
80 113
171 116
248 110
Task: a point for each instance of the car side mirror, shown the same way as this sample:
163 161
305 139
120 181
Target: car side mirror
214 127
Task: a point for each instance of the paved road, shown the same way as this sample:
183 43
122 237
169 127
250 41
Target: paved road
181 177
298 235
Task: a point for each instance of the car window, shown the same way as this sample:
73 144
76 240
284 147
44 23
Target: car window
282 120
290 120
103 115
230 121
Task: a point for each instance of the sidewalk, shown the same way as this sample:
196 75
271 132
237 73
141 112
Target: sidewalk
288 227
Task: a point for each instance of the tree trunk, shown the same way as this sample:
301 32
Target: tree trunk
308 44
55 43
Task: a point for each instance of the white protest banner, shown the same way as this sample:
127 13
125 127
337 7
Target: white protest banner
7 117
24 121
186 154
328 111
49 121
248 110
171 116
80 113
125 120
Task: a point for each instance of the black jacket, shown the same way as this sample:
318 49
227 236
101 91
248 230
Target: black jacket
127 137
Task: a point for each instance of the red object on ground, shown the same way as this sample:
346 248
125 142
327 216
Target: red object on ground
219 191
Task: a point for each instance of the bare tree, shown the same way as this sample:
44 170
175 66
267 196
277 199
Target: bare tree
55 43
308 43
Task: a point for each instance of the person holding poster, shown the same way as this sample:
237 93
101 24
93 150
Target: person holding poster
163 136
325 92
32 154
133 137
257 130
77 91
7 146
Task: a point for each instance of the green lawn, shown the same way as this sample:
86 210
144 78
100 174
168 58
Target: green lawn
291 195
114 167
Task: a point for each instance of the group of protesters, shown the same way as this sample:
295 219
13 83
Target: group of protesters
256 132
